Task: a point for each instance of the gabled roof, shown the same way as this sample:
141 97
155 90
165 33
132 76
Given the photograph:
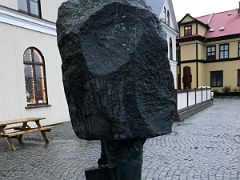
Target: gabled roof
194 19
222 24
157 8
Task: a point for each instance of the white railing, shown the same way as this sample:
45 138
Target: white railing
188 98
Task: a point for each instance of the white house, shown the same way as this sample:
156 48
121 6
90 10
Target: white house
30 64
165 11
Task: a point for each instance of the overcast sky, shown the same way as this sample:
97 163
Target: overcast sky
202 7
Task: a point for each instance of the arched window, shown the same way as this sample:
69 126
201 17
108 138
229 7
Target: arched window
164 14
170 49
35 77
168 18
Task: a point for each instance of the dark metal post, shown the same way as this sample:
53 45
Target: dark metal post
187 97
195 95
201 95
206 93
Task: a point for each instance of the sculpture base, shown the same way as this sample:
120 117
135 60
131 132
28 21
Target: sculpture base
97 174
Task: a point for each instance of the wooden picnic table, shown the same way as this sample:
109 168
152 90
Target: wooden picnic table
18 127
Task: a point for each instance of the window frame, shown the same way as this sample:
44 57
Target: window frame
165 14
211 78
238 77
212 57
185 34
34 64
226 44
238 49
168 18
170 49
28 12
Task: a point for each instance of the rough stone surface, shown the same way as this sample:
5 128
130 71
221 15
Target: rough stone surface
203 147
116 73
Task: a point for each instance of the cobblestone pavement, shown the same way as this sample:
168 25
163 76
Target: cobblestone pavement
205 146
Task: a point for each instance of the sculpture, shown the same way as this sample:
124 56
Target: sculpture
116 77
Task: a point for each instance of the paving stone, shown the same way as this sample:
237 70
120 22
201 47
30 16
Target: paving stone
205 146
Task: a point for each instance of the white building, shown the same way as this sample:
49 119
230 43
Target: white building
30 64
165 11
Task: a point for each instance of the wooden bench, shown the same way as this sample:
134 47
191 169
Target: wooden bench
19 127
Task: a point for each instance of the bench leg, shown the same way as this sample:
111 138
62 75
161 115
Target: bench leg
45 137
10 144
43 132
20 139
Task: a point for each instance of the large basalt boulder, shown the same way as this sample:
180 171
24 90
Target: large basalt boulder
116 73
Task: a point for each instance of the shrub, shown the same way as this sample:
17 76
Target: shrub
236 89
226 89
215 91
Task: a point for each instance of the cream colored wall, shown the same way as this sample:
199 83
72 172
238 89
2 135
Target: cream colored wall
229 72
201 51
194 29
13 4
188 51
187 19
181 31
201 80
12 80
201 30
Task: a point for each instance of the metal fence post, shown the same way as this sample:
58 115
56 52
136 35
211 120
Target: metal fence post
195 96
187 97
201 95
206 93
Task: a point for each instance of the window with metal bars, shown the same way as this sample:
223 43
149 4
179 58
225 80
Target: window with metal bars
223 51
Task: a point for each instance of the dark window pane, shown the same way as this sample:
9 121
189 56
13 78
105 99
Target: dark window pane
29 83
171 48
22 5
34 8
168 18
31 7
187 30
40 84
216 78
211 53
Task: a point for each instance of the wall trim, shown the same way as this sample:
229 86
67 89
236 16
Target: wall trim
210 61
15 18
173 31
